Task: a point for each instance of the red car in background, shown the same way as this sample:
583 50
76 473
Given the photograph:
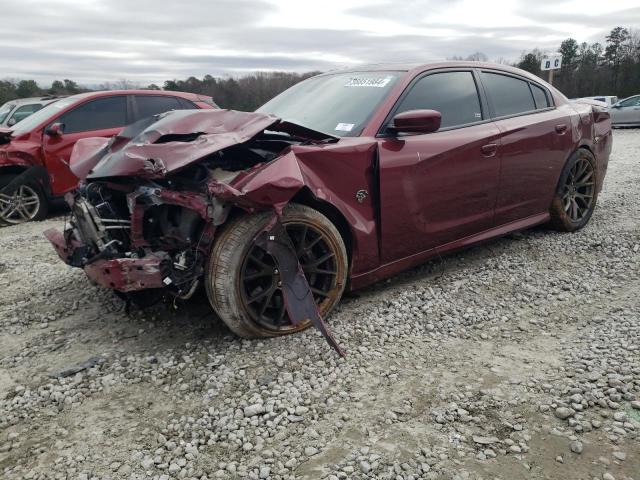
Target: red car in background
34 155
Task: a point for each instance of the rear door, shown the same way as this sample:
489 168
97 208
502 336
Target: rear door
100 117
438 187
535 142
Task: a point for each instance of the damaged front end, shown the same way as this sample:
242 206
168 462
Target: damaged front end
151 199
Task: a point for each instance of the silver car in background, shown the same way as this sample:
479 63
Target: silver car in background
15 110
626 113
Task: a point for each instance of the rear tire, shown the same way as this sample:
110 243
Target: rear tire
576 194
238 272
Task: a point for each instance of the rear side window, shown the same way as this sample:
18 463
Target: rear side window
453 94
186 104
99 114
149 105
508 95
540 96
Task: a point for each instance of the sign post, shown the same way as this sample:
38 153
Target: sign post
551 63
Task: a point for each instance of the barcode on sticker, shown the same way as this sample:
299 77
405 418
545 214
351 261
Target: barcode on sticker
345 127
368 82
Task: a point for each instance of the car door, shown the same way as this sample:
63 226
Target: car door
438 187
626 111
535 142
100 117
149 105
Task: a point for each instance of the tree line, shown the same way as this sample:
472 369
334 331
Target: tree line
594 69
612 68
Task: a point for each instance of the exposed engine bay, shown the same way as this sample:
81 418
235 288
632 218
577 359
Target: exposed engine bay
120 219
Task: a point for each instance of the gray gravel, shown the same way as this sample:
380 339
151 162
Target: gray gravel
516 359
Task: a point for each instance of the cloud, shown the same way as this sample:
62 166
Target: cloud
94 41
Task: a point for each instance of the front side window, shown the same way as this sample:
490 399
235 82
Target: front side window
509 95
453 94
339 104
99 114
46 114
631 102
149 105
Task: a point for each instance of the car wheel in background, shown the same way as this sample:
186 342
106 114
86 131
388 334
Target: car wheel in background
242 279
576 195
28 202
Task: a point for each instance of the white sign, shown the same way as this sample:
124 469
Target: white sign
552 62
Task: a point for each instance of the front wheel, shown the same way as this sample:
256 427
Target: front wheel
243 282
576 194
27 202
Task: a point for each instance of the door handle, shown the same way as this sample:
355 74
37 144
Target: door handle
489 150
561 128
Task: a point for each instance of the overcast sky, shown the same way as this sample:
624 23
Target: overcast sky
94 41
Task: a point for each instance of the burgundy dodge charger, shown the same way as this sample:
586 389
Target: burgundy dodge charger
342 180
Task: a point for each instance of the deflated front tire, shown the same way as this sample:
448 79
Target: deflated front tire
242 279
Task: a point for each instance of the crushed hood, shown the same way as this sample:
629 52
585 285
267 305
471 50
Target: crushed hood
156 146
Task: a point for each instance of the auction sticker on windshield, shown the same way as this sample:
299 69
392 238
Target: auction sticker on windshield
345 127
379 82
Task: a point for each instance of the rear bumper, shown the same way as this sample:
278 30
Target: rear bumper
121 274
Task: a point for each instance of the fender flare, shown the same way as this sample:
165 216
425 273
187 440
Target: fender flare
35 173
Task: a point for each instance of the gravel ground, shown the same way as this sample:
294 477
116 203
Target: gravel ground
516 359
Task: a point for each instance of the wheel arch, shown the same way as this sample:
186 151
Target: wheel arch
306 197
38 173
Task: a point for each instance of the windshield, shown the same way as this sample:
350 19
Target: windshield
338 104
42 115
4 111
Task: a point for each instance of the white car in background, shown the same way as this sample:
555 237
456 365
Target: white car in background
609 100
626 113
15 110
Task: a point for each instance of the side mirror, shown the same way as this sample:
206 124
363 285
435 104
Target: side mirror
416 121
11 122
55 129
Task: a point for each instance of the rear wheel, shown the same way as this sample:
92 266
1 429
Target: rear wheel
576 194
243 282
28 202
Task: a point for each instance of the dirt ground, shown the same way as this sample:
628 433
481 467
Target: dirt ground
512 360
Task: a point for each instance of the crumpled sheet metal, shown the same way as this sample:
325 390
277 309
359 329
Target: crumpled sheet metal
129 274
298 298
270 185
134 151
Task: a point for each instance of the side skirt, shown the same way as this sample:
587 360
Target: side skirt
392 268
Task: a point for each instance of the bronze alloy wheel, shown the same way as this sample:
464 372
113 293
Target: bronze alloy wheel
260 280
579 188
243 282
576 194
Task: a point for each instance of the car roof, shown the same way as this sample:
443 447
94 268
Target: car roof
43 99
416 68
104 93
